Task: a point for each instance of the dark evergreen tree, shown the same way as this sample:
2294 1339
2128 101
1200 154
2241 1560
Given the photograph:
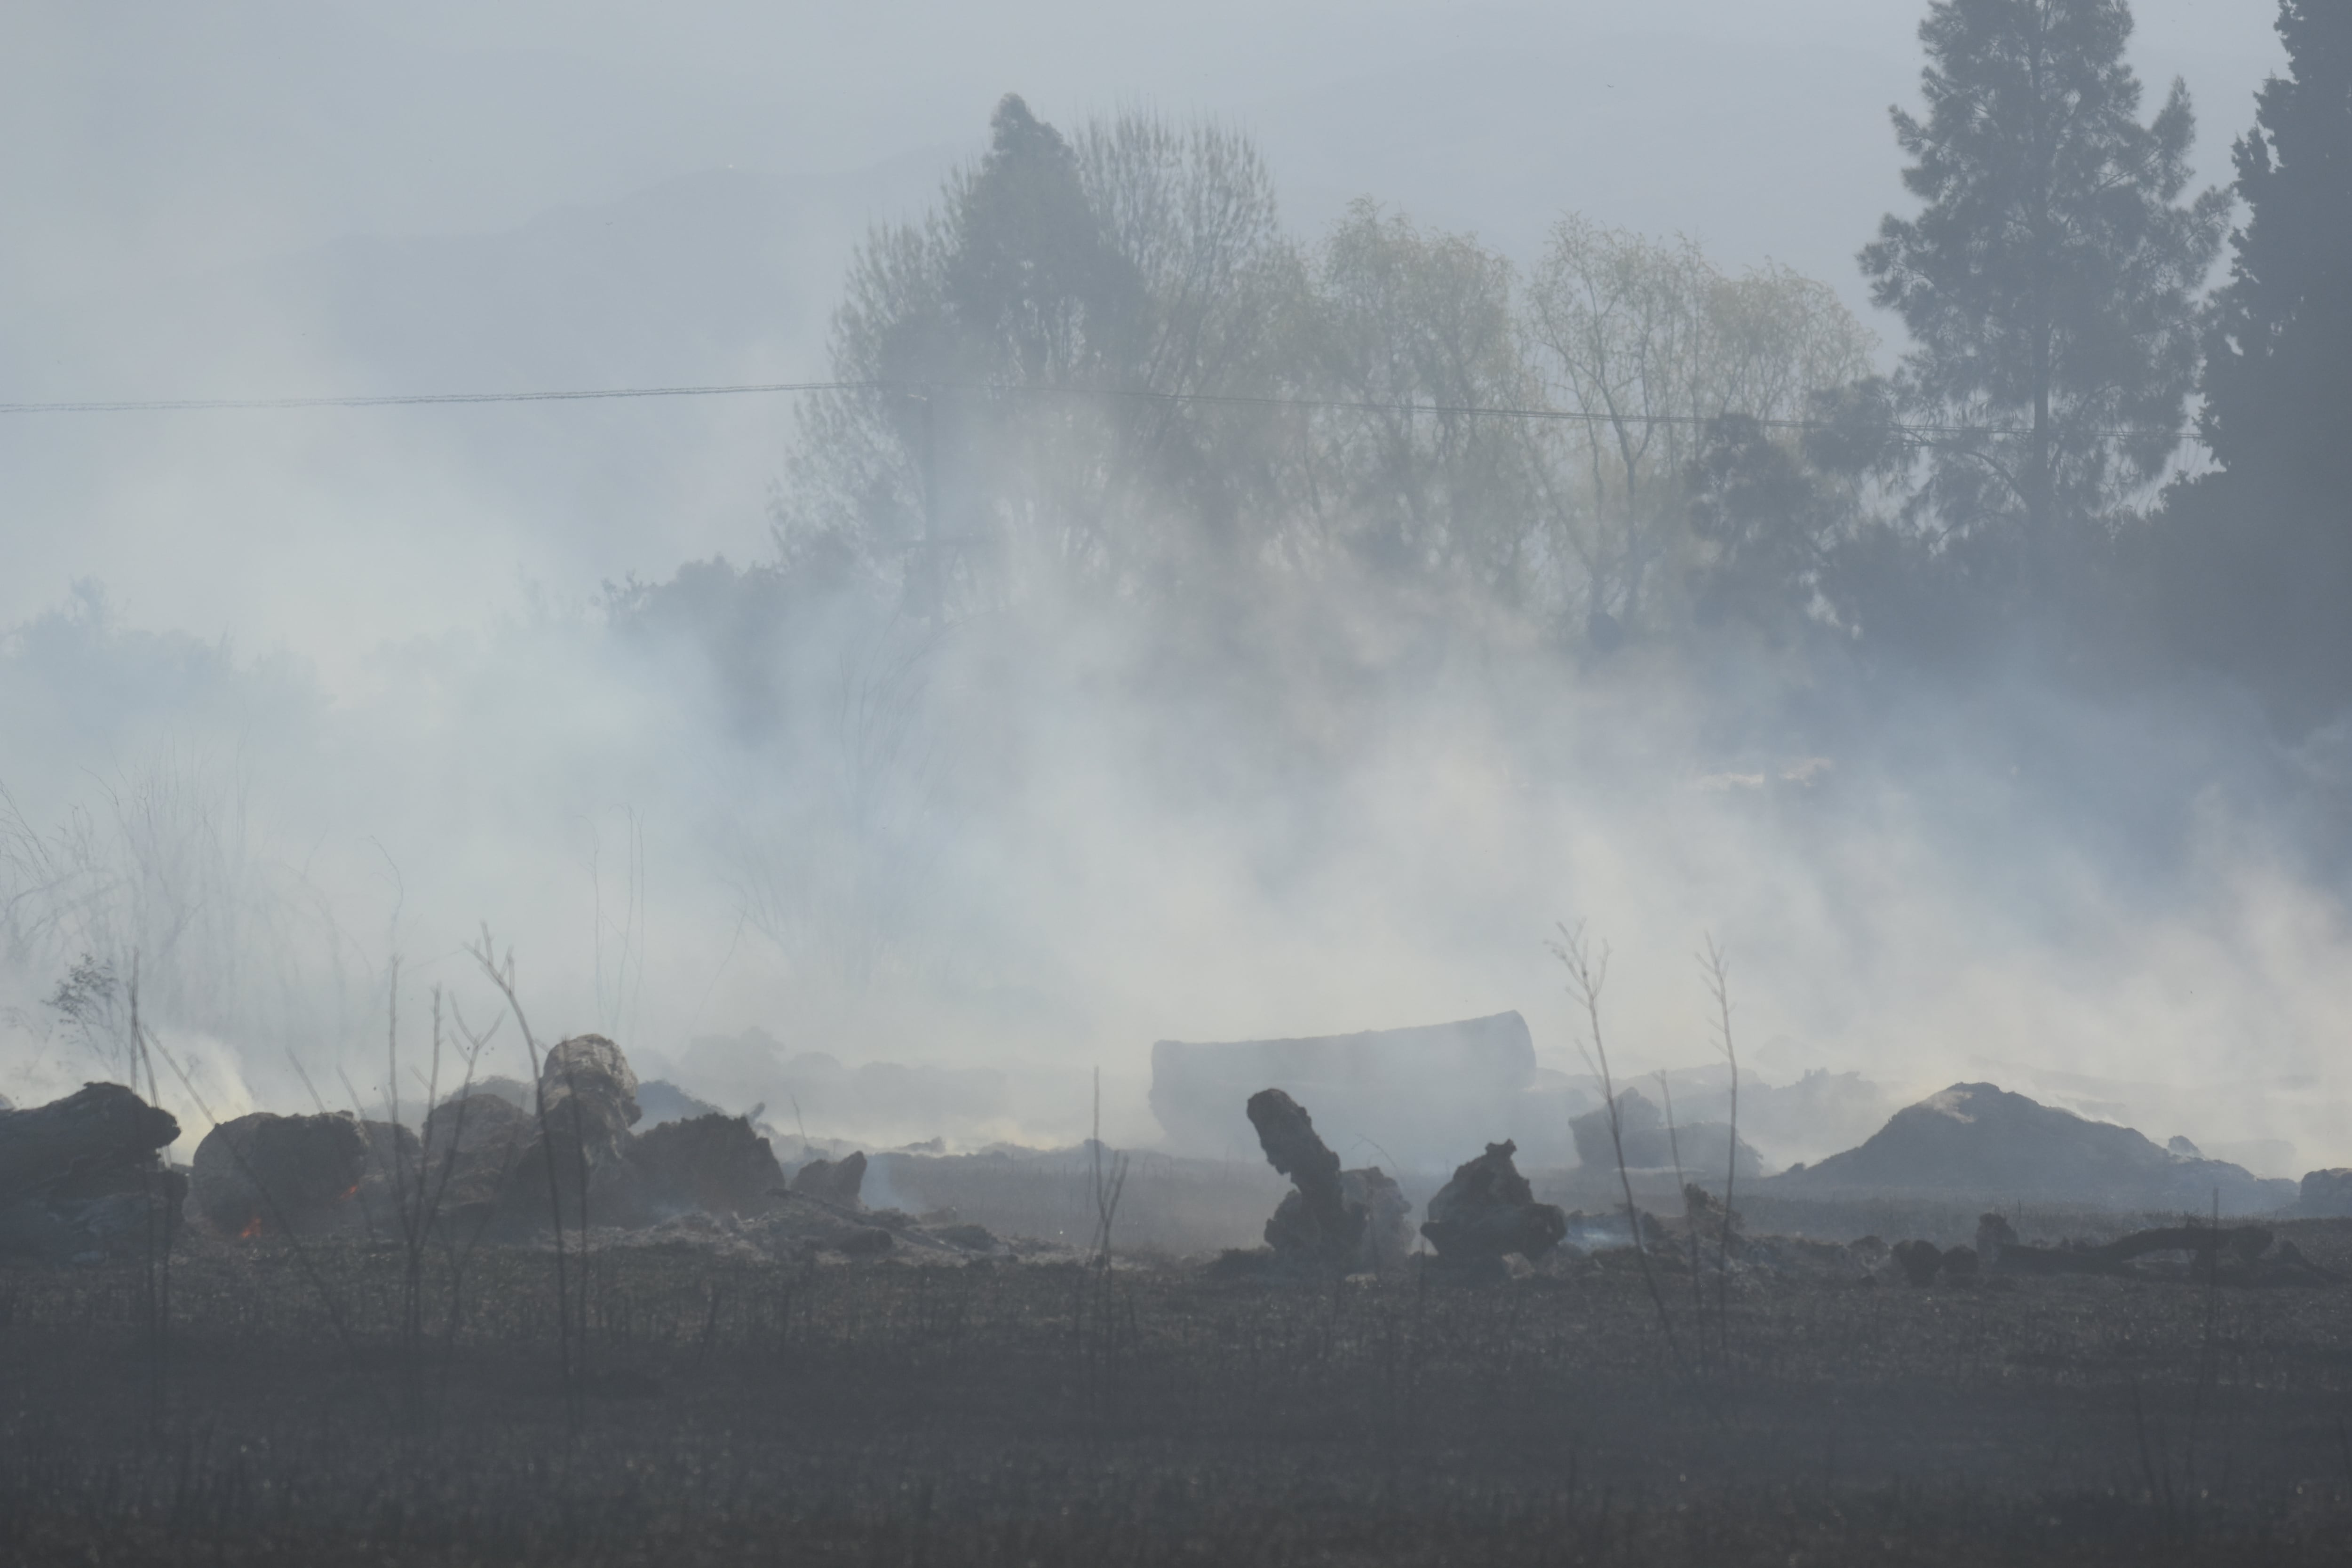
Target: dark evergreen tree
987 464
1769 524
1036 292
2049 283
2257 555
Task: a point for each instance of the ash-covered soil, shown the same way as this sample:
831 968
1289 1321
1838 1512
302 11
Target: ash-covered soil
732 1406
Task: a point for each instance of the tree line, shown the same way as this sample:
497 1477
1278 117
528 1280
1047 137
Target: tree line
1101 368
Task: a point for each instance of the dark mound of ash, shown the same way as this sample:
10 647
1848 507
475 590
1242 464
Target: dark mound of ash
1489 1211
662 1101
2326 1194
513 1090
1331 1220
1924 1263
473 1141
83 1178
1920 1261
388 1176
1650 1145
713 1163
473 1129
265 1174
1978 1140
836 1182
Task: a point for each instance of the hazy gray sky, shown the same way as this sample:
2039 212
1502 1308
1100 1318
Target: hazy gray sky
245 198
155 137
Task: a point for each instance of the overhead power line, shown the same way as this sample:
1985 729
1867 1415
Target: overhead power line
411 399
920 388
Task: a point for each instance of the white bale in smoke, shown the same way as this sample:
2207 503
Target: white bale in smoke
1423 1098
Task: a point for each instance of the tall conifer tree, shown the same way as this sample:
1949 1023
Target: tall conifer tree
2048 284
2259 552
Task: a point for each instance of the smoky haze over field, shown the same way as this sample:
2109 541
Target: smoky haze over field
1273 745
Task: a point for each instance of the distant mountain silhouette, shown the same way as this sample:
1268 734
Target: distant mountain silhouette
1980 1141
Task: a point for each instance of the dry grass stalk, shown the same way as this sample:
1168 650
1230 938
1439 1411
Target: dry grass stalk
501 974
1717 970
1585 979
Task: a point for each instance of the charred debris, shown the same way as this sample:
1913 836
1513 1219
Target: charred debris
85 1180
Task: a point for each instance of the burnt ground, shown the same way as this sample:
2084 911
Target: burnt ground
741 1408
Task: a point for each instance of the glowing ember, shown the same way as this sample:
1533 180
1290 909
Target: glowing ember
252 1228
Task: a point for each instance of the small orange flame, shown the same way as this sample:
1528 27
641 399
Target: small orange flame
252 1228
349 1194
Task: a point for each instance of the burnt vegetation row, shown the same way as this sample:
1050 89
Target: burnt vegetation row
1101 372
1100 389
536 1333
718 1405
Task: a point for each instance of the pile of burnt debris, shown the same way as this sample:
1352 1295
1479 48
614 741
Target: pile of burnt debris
1358 1222
2239 1255
2246 1255
84 1179
1485 1223
572 1157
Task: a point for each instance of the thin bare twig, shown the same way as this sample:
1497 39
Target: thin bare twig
1718 969
500 973
1585 979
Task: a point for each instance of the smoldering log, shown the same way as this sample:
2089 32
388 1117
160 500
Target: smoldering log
2215 1249
1316 1221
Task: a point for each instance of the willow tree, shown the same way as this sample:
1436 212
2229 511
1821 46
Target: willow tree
1647 347
1025 336
1413 329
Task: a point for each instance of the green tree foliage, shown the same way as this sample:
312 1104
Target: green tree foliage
2049 282
2257 555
